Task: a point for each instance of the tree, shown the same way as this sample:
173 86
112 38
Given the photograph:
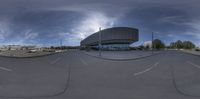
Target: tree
52 47
158 44
188 45
182 44
179 44
172 45
141 47
147 47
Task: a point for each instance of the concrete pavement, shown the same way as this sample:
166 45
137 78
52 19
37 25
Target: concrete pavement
35 77
74 75
192 52
24 54
121 55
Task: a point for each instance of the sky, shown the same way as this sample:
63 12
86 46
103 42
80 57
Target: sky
47 22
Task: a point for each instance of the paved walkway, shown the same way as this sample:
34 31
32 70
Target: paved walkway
121 54
22 53
192 52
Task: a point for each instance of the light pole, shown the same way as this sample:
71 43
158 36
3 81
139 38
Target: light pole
100 41
61 44
152 38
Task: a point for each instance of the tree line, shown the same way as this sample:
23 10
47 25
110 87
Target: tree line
158 44
182 45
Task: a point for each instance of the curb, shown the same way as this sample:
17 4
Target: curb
122 59
189 53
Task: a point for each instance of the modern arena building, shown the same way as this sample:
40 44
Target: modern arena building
116 38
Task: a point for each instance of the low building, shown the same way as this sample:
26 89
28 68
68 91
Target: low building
19 47
148 44
14 47
28 47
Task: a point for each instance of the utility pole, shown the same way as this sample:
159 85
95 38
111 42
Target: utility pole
152 38
61 43
100 41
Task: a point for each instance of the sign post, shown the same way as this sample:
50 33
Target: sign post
100 41
152 43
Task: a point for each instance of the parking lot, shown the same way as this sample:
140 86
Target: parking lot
76 75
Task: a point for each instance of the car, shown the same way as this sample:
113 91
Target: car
32 51
58 51
197 49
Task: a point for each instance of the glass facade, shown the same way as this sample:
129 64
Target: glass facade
113 47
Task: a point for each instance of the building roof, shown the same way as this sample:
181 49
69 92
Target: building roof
113 35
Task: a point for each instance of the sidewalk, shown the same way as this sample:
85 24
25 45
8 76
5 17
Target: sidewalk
191 52
23 54
121 55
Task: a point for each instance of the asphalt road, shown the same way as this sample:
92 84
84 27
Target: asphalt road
75 75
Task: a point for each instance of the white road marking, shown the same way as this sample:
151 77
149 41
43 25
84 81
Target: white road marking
5 69
84 62
146 70
195 65
55 61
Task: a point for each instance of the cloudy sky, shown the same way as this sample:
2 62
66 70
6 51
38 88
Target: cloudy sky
46 22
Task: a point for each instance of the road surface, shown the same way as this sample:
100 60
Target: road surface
75 75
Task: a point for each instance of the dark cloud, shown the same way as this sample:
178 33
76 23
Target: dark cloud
47 21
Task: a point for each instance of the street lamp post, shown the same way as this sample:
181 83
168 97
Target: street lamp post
152 42
61 44
100 41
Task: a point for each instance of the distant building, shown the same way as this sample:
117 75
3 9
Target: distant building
13 47
148 44
28 47
3 48
19 47
117 38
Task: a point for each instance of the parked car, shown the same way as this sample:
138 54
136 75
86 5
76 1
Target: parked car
58 51
32 51
197 49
